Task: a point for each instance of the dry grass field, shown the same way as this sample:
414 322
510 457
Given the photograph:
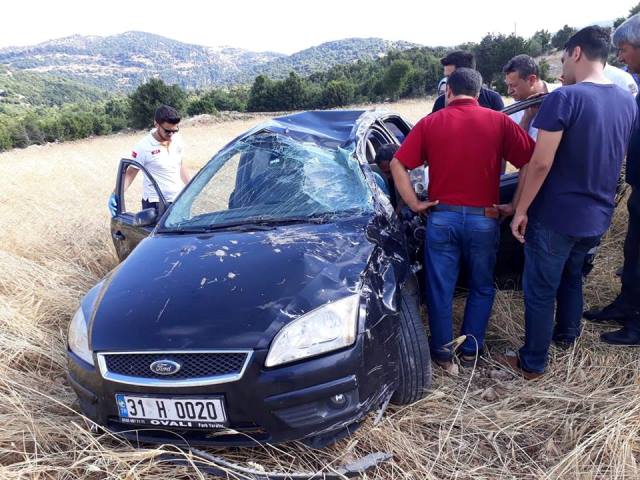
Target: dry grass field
581 421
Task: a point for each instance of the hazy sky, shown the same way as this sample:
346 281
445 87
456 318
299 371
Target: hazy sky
287 26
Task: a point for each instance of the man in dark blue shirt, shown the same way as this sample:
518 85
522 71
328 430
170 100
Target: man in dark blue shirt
459 59
626 307
568 195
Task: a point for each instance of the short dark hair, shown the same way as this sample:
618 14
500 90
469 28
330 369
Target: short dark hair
165 113
465 81
459 59
593 41
523 64
385 153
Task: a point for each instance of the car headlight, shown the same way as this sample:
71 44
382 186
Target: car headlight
327 328
79 337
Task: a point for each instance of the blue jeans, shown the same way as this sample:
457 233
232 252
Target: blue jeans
552 281
453 238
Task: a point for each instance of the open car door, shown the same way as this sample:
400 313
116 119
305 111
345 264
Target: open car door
511 259
510 262
131 225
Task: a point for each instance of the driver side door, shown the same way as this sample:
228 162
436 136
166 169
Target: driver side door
131 225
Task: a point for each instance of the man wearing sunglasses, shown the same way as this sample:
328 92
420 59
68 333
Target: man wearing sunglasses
160 152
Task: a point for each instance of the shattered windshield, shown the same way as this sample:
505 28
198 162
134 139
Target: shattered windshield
271 177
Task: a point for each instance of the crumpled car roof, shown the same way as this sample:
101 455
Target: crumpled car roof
337 127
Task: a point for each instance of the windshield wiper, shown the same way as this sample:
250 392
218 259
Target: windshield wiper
235 226
259 223
316 218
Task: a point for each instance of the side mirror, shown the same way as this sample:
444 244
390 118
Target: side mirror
145 217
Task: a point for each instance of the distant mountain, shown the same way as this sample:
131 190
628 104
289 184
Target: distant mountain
330 54
121 62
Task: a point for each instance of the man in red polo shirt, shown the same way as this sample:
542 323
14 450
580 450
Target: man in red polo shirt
463 145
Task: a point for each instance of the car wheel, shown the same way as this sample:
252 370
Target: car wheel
414 370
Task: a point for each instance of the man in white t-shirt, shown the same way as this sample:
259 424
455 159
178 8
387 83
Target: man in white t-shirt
522 76
621 78
160 153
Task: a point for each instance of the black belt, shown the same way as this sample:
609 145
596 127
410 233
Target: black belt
490 212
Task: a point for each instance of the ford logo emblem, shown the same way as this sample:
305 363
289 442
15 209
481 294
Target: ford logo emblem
165 367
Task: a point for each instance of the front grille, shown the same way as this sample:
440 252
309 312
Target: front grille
193 365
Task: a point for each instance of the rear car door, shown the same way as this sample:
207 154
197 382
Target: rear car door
511 255
131 224
510 261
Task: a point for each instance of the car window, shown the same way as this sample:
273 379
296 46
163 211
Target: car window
375 139
272 176
398 128
519 106
139 188
515 111
215 196
371 152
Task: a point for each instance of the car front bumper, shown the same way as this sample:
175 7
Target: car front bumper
318 397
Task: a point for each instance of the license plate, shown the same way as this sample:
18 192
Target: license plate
171 412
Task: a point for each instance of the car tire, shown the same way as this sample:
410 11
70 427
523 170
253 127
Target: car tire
414 362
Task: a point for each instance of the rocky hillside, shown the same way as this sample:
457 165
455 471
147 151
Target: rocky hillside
121 62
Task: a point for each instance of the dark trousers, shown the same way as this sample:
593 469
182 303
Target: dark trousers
552 289
630 294
454 237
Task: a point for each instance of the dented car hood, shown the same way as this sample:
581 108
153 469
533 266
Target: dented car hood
228 289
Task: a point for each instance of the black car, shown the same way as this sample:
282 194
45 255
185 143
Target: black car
278 298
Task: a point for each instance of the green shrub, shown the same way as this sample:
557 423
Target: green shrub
5 138
149 96
52 128
202 104
233 100
118 111
101 124
18 135
76 125
35 134
337 93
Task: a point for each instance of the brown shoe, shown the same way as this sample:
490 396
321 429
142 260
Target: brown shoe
448 366
513 363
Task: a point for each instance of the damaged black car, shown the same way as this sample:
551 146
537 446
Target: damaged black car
277 299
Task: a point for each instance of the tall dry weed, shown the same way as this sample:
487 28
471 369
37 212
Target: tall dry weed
581 421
